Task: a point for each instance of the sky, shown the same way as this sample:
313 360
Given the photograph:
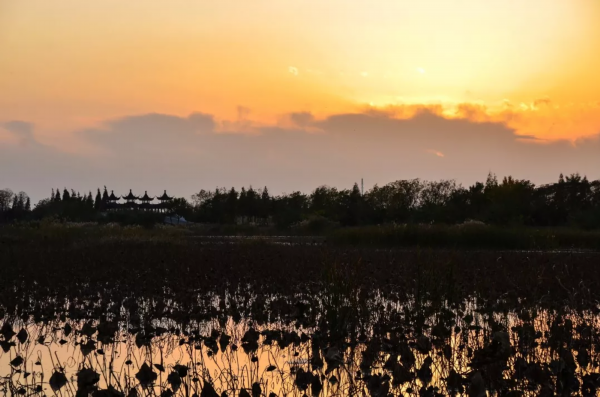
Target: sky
293 94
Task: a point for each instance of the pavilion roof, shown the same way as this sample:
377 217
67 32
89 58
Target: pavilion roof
112 196
146 197
130 196
164 197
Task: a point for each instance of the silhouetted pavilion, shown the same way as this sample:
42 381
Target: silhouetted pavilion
145 198
130 201
112 197
111 202
164 198
130 197
165 201
145 202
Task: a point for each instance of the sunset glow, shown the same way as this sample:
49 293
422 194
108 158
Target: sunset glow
70 65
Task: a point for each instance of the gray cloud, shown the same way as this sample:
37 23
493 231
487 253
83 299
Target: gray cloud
302 119
37 168
184 154
22 130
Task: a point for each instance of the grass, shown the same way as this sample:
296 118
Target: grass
455 237
61 232
468 237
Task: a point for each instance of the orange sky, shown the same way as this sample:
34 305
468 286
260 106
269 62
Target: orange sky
130 93
68 64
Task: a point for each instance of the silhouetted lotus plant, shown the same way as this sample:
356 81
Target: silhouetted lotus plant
166 319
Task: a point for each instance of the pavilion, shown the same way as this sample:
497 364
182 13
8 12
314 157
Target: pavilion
145 202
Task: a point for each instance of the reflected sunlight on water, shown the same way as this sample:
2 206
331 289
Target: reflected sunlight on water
519 350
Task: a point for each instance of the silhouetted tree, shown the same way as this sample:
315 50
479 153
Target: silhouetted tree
89 202
434 199
353 207
264 207
572 200
252 204
6 197
231 205
326 201
98 201
183 208
243 205
289 209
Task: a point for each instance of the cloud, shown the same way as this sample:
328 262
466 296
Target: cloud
36 168
146 134
19 127
184 154
435 152
302 119
156 123
21 130
242 123
539 118
542 101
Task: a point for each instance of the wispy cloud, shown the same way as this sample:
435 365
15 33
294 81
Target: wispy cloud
436 152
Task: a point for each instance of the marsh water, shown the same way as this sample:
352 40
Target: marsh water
525 352
357 329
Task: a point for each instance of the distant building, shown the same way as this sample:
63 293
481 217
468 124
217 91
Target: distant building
175 220
144 203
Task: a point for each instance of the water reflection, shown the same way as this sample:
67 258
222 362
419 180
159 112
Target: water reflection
129 317
403 349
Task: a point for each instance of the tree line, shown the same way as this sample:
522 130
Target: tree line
571 201
67 205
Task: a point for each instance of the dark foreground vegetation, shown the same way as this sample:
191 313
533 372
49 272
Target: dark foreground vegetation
143 312
572 201
467 236
471 235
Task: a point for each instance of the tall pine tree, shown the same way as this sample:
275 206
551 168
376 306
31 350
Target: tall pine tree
89 201
98 201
